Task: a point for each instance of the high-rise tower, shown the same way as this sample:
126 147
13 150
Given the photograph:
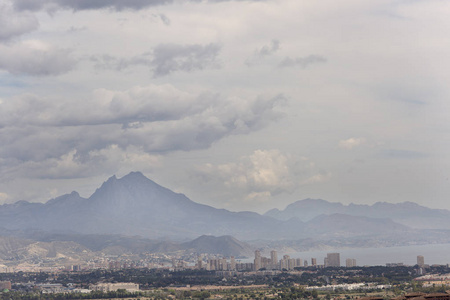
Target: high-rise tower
420 261
333 260
257 261
274 259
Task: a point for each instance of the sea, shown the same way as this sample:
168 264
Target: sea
433 254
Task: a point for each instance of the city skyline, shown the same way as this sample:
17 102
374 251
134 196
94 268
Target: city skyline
260 262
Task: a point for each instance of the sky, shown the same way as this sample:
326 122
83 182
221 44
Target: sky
243 105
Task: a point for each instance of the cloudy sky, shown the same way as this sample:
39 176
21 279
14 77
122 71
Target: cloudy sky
245 105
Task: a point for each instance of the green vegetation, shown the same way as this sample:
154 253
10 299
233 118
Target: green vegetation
155 278
13 295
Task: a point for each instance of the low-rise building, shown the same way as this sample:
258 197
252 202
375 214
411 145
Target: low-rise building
107 287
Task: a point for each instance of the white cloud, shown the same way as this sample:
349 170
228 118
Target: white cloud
317 178
351 143
3 197
71 165
260 176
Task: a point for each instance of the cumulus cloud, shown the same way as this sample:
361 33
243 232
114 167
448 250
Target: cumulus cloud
301 62
261 175
165 59
260 54
73 165
35 58
154 119
14 24
317 178
351 143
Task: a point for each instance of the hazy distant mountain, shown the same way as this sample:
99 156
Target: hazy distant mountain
406 213
306 210
226 245
350 226
136 206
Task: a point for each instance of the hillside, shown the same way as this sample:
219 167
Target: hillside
68 249
227 245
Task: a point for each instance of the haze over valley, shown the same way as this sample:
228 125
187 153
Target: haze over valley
135 215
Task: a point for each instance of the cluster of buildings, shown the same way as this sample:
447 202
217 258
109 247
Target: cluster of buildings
350 262
349 287
271 263
434 280
54 288
182 261
420 263
108 287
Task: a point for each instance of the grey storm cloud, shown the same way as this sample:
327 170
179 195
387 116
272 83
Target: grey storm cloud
164 19
156 119
302 62
33 5
35 60
110 62
268 50
263 52
13 24
166 59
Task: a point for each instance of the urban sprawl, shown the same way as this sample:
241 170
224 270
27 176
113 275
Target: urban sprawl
184 276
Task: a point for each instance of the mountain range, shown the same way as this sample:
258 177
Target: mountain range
406 213
136 206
